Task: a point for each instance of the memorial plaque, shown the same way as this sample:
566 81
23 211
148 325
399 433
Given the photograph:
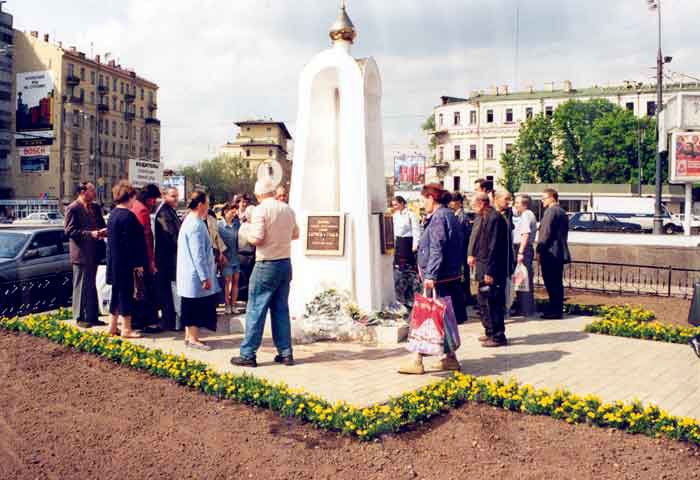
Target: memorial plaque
325 234
386 233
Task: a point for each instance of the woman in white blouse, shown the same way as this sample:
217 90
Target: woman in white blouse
406 236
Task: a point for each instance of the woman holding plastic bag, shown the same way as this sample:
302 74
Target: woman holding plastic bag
523 238
436 313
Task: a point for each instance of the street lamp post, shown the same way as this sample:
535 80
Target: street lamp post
660 60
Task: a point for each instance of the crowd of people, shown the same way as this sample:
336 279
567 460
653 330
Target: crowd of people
440 252
165 270
170 273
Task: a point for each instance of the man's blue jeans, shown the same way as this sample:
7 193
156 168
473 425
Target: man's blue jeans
268 289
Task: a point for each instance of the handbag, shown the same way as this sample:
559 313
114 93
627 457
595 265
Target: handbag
139 286
452 339
427 334
521 279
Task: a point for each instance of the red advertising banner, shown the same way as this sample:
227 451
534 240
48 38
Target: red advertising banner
685 157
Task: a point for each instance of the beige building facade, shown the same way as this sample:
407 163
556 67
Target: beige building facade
94 116
472 133
259 141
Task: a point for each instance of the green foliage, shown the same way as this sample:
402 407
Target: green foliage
222 176
429 128
532 158
590 141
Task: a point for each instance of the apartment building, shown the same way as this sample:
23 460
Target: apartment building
77 119
258 141
7 111
473 132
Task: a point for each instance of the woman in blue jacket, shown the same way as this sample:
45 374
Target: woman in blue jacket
196 272
440 251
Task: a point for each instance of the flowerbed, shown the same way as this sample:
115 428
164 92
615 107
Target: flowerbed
636 322
365 423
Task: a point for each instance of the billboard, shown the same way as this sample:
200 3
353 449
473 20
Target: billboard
685 157
409 170
34 159
177 182
141 173
35 94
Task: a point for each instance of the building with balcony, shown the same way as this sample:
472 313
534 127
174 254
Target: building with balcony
7 109
94 115
473 132
261 140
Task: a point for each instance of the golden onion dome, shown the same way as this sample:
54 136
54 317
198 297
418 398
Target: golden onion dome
342 28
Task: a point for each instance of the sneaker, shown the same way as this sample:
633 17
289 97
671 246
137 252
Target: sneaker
227 309
449 363
82 324
244 362
484 338
198 346
413 368
493 343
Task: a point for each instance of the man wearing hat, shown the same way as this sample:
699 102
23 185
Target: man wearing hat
271 228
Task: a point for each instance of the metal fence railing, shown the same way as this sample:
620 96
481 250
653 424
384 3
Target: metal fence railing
626 278
41 294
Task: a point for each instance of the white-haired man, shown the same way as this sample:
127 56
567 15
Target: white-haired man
271 228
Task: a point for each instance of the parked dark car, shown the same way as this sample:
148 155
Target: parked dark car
35 269
601 222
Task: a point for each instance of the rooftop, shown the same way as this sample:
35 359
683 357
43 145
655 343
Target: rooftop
503 94
266 122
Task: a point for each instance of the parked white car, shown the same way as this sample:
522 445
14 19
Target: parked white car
41 218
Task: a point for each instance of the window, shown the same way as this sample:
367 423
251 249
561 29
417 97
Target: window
269 153
82 73
629 106
651 109
441 154
48 244
121 87
489 152
114 128
92 97
141 93
509 147
269 129
114 84
509 115
472 152
440 120
528 113
92 78
456 182
92 145
458 152
141 112
114 103
71 68
247 153
76 118
121 106
489 116
114 149
549 111
457 118
585 217
472 117
92 123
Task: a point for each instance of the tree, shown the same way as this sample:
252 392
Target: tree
532 158
429 128
572 123
222 176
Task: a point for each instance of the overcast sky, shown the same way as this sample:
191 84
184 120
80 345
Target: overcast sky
218 61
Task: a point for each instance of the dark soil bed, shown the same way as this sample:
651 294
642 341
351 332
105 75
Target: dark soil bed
669 310
69 415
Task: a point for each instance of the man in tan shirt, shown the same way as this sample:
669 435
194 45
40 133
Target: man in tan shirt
271 228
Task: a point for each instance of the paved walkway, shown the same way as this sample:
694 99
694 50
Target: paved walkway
543 353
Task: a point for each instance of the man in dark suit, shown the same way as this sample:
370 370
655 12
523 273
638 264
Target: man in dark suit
491 270
457 204
167 228
85 227
553 252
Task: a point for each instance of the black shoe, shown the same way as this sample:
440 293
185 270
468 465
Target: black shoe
152 330
244 362
551 316
98 323
695 345
82 324
288 360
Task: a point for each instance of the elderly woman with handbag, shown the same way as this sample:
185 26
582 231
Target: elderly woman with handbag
196 272
126 260
440 251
